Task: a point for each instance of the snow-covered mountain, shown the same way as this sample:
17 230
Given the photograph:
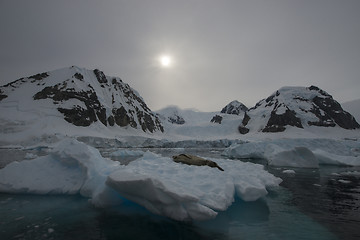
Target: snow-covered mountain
353 107
234 107
300 107
74 96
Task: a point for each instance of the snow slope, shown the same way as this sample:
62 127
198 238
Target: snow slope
353 107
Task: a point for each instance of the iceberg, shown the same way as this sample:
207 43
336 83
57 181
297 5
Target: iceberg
185 192
178 191
305 153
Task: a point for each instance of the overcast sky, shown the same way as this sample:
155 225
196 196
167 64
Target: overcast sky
220 50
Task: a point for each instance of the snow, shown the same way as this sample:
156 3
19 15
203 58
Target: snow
178 191
299 152
198 126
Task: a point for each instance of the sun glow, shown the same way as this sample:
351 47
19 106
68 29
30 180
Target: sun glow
165 61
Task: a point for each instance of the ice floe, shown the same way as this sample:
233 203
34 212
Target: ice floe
175 190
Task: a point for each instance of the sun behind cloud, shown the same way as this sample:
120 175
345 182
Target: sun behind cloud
165 61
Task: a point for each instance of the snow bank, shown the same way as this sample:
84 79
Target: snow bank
184 192
299 152
175 190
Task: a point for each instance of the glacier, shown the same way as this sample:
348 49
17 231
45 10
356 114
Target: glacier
174 190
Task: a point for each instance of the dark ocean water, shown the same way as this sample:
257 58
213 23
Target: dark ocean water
310 204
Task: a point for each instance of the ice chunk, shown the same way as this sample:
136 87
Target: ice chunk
296 157
30 156
288 171
246 150
71 168
185 192
127 153
344 181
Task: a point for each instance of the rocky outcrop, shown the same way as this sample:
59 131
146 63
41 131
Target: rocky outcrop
77 115
176 119
296 107
216 119
235 107
171 114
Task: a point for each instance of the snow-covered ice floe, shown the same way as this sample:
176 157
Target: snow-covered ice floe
175 190
306 153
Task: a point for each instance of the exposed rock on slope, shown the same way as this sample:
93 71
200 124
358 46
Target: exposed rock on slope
297 107
172 115
217 119
234 108
83 97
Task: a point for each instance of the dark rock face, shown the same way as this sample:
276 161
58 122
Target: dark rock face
79 76
100 76
216 119
332 114
77 115
277 122
298 106
243 130
235 107
40 76
2 95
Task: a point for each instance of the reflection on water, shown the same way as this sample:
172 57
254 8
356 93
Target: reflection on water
72 217
328 195
312 204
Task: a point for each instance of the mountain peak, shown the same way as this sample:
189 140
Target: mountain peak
235 107
83 97
297 107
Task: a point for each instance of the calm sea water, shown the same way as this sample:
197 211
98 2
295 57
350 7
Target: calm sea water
312 204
